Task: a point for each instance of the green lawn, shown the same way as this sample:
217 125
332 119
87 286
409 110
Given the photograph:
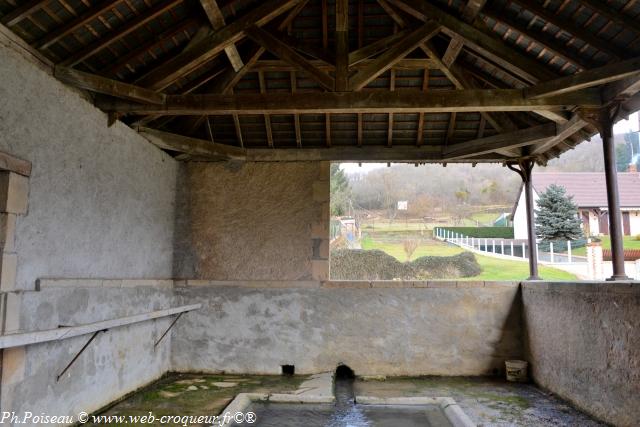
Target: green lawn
492 268
629 243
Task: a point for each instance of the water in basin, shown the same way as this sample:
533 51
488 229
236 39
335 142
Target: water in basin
346 413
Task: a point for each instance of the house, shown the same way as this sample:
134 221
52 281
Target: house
589 193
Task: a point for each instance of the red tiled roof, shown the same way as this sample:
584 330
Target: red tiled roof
589 189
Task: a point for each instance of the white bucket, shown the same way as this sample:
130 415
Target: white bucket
516 370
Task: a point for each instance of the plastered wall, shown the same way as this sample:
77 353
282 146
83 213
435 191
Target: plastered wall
583 343
101 199
394 328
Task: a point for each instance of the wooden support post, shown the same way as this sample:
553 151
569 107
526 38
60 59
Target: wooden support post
602 119
524 170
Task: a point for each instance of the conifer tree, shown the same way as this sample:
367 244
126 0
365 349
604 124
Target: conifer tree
557 216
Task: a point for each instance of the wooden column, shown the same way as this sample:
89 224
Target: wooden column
603 121
524 170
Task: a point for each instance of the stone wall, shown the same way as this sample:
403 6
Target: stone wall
379 328
101 199
583 343
253 221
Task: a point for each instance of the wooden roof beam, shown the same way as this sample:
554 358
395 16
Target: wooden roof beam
562 132
586 79
515 139
288 54
107 86
376 47
216 18
342 46
395 53
212 45
479 40
375 102
192 146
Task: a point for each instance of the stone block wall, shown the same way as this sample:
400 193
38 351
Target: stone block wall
252 221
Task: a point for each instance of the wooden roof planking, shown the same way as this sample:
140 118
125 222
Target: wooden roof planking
362 80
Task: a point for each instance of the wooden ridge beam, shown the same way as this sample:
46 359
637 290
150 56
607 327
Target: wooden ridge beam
79 21
404 101
395 53
479 40
586 79
282 66
515 139
192 146
118 33
288 54
210 46
216 18
106 86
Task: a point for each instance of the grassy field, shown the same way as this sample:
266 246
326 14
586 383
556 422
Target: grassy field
492 268
629 243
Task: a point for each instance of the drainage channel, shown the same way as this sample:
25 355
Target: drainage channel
346 412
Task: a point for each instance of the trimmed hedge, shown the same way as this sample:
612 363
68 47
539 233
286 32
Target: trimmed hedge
480 232
357 264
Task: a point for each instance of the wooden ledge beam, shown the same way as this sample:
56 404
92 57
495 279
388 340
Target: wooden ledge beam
401 101
106 86
586 79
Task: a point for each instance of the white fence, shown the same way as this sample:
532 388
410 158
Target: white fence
510 248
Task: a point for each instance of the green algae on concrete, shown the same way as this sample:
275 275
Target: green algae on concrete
487 401
198 395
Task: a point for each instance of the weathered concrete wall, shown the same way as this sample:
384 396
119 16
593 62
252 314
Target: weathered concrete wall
446 329
116 362
583 343
101 199
253 221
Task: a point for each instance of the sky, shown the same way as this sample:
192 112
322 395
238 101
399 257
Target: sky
623 126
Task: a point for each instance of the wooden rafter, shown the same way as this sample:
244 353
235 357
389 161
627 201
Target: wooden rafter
209 47
590 78
288 54
79 21
107 86
119 33
479 40
566 25
395 53
216 18
372 49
